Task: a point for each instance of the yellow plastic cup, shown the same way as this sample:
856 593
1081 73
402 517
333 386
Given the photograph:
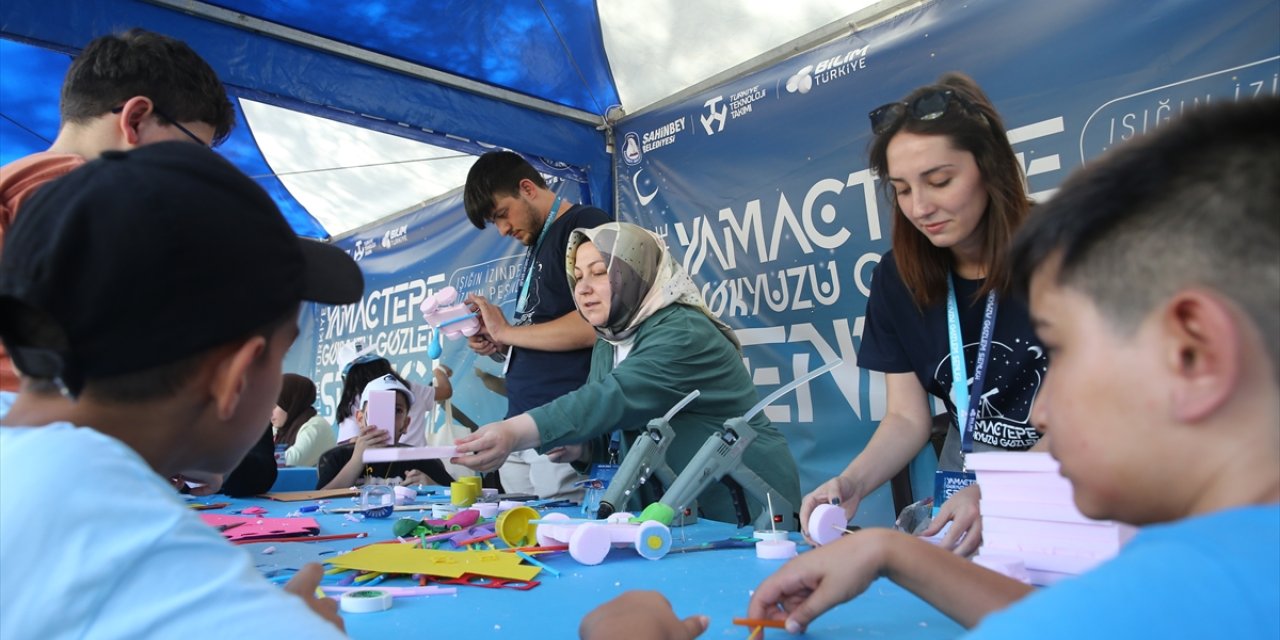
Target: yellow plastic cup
475 481
462 494
514 528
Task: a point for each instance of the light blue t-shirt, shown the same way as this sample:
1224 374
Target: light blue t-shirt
1213 576
94 544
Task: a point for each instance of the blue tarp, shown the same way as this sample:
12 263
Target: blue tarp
556 57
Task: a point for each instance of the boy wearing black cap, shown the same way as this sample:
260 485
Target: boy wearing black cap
159 288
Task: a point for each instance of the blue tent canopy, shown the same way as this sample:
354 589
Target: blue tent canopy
461 75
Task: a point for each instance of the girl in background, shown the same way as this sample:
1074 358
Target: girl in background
296 425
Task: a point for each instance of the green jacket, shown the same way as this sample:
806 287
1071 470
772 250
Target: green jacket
675 351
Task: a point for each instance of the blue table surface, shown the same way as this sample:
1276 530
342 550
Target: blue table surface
717 583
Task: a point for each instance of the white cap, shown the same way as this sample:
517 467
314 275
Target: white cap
350 352
387 382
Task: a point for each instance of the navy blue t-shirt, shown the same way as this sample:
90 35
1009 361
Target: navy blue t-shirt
898 338
536 377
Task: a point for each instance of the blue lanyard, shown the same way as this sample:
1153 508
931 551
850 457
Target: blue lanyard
533 256
968 400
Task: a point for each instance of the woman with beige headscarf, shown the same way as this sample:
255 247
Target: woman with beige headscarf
657 342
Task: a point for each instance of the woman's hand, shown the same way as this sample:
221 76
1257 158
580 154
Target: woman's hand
490 445
961 510
839 491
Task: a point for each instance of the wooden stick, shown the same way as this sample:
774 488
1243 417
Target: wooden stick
758 622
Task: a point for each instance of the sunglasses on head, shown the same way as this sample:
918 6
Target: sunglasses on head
928 106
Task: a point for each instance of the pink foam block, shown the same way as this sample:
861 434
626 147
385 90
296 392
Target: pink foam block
826 524
391 454
453 320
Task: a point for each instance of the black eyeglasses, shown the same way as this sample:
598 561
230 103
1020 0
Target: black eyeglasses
929 106
170 120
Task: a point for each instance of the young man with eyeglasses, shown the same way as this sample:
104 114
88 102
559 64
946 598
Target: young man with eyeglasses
123 91
548 346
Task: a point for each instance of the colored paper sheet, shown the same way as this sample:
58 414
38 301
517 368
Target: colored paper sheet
403 558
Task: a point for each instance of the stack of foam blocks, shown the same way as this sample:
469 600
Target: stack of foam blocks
1029 519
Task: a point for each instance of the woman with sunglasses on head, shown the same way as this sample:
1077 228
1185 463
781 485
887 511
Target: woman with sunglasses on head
937 312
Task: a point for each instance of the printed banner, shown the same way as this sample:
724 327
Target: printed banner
761 185
404 261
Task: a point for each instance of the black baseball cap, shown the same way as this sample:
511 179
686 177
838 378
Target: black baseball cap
142 258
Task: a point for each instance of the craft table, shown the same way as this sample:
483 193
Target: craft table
717 583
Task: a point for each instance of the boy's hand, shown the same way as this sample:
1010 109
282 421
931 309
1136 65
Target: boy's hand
838 490
370 436
304 585
817 580
415 477
639 615
961 509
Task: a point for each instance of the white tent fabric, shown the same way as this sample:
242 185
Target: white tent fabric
347 176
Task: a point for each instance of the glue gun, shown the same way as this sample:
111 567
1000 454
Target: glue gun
647 456
720 458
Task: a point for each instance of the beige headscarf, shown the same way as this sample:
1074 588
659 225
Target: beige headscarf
644 278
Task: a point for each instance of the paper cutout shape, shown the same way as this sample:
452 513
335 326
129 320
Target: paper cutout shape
236 528
403 558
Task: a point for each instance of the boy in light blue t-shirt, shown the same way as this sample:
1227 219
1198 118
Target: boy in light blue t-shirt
157 289
1154 282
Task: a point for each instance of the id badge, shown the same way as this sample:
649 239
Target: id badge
947 483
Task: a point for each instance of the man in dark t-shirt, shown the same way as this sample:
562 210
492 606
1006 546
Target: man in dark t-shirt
548 343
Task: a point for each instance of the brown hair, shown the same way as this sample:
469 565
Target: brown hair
976 127
297 399
114 68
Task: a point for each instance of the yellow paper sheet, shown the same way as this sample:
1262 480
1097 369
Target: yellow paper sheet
403 558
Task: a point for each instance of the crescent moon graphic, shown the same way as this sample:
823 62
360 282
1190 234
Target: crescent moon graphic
1037 350
645 199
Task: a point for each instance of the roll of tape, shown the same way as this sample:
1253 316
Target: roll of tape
365 601
775 549
770 535
440 511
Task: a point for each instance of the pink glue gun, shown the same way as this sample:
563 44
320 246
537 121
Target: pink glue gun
442 312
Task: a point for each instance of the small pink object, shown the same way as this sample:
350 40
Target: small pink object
444 313
253 511
775 549
826 524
